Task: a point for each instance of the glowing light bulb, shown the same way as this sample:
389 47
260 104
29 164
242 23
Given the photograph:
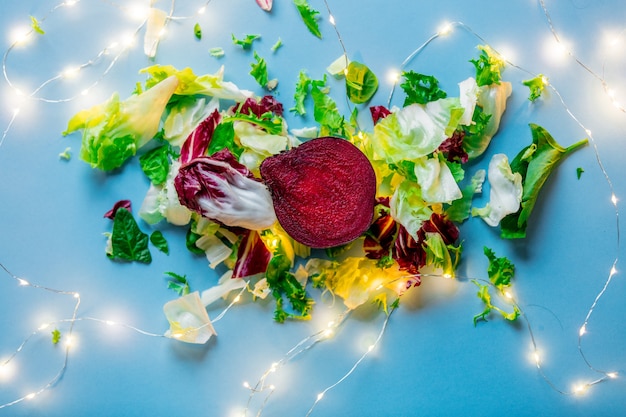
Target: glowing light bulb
370 348
613 271
580 389
70 3
44 326
138 12
30 396
331 19
612 375
246 385
536 358
274 367
588 132
583 330
20 35
84 92
237 299
76 295
328 333
272 387
320 396
21 281
445 29
202 10
110 322
70 72
614 199
393 76
508 294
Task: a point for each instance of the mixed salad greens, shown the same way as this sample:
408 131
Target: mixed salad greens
201 141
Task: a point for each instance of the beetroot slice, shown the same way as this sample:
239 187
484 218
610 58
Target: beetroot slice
323 191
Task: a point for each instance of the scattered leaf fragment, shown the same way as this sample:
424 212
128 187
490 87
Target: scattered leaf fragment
361 83
278 44
309 16
56 336
216 52
66 154
265 4
34 23
246 41
128 242
579 172
197 31
536 85
178 283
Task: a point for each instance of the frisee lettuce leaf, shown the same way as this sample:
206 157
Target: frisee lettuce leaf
246 41
34 23
489 66
259 70
56 336
536 86
420 88
309 16
500 270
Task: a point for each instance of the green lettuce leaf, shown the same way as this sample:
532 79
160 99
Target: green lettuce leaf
128 242
489 66
178 283
534 163
156 163
159 241
536 86
246 41
115 130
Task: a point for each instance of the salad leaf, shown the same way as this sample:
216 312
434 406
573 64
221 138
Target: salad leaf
420 88
56 336
489 66
217 52
224 138
436 181
325 112
579 172
156 163
36 25
487 114
284 284
199 141
222 189
197 31
252 256
277 45
185 114
534 163
309 16
161 202
246 41
178 283
128 242
505 195
66 154
259 70
415 131
158 240
361 83
460 209
189 320
115 130
190 84
500 270
407 207
119 204
536 86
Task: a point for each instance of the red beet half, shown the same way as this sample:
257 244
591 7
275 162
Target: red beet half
323 191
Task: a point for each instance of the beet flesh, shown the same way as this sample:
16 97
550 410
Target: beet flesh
323 191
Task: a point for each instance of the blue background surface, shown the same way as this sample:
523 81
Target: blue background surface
432 360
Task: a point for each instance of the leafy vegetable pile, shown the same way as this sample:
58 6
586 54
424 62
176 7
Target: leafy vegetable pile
219 160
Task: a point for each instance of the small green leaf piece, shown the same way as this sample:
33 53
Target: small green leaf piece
277 45
536 85
216 52
489 66
197 31
156 164
259 70
66 154
178 283
309 16
56 336
246 41
579 172
34 23
158 240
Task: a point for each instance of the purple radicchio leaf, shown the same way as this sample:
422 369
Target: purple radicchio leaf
198 141
252 256
265 105
265 4
220 188
120 204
